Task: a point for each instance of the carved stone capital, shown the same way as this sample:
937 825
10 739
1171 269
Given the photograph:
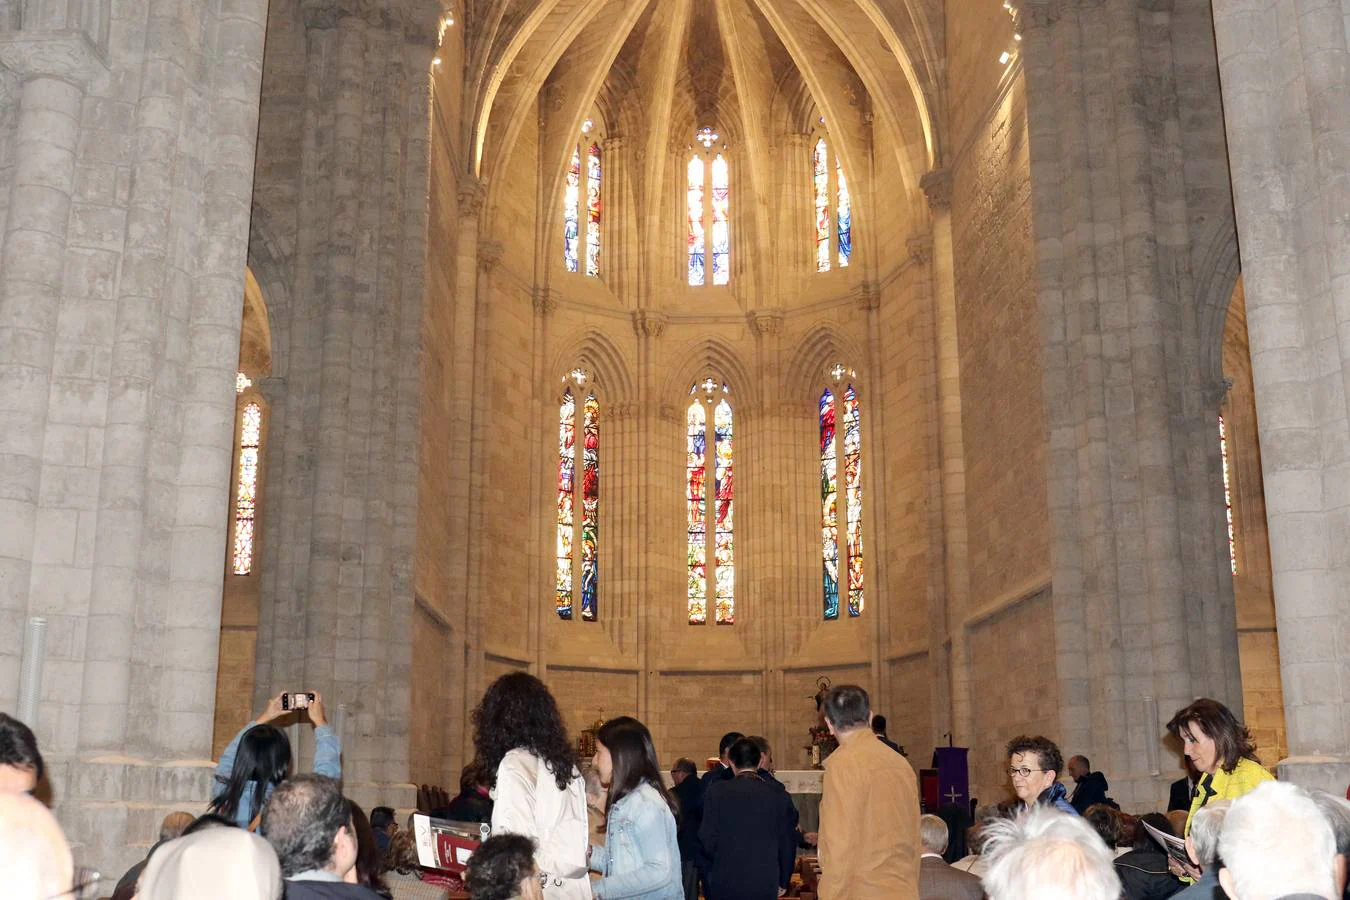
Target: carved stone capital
920 248
622 411
1216 394
1042 13
867 296
489 254
470 194
322 14
66 55
767 321
546 300
273 388
669 412
937 186
649 323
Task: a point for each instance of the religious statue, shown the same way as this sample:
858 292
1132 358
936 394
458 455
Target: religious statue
586 743
822 742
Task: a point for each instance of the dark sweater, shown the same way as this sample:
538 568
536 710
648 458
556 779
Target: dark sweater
328 890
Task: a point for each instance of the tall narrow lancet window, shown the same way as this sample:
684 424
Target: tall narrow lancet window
246 482
833 206
710 430
578 555
582 205
708 205
841 507
821 181
1227 494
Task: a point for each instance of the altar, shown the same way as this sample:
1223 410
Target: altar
805 787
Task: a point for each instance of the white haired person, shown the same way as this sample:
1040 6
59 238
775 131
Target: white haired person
1048 855
1277 845
1202 845
1337 813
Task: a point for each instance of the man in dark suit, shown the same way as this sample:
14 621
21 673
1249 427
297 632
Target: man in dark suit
689 794
745 832
879 729
720 772
1183 789
937 880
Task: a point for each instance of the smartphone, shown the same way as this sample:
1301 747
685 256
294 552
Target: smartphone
297 700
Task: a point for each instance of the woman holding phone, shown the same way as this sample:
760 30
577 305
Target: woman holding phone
259 758
640 857
520 740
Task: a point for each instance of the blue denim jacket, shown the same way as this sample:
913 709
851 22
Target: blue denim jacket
640 857
327 761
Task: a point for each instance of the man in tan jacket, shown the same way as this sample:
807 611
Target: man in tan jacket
869 814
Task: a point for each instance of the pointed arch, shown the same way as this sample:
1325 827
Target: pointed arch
595 351
697 360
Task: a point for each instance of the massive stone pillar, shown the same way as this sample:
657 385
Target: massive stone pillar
1285 68
121 283
1124 213
337 615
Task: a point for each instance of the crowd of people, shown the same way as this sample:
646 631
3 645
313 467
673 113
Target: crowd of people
563 827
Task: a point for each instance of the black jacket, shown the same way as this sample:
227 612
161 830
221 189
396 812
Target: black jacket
1092 789
689 795
747 836
1181 795
468 806
328 890
1144 875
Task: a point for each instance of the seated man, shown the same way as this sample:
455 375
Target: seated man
1202 845
383 824
309 824
937 880
1089 787
20 761
1045 855
36 859
1275 844
1034 764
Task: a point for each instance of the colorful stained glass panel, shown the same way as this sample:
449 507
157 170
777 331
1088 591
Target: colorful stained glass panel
1227 495
246 488
571 212
821 179
854 498
721 221
593 210
845 218
829 496
696 503
697 242
726 489
567 414
590 509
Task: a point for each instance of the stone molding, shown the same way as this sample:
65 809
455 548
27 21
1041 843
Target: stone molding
669 412
418 26
937 186
920 248
65 55
546 300
470 195
766 322
649 323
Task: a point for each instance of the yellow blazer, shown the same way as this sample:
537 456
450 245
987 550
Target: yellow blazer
1246 775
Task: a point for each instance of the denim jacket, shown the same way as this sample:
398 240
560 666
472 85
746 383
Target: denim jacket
327 761
640 857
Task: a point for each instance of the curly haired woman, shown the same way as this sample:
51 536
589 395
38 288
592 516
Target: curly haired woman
520 740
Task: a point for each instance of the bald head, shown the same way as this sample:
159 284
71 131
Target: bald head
39 859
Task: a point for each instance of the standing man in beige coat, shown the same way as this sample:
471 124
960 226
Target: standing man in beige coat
869 814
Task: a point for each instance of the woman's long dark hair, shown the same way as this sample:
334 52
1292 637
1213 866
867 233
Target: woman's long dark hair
264 758
518 712
1232 741
634 756
369 862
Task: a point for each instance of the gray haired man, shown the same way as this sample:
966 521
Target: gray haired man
1203 846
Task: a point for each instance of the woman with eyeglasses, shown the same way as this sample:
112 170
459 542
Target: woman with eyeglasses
640 857
1034 764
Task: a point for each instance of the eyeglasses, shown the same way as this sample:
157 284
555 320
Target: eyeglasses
1024 772
86 886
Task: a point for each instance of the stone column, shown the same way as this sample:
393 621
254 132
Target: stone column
1285 71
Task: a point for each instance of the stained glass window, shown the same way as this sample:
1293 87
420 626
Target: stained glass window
696 503
726 495
845 216
593 210
1227 495
721 227
590 508
821 179
829 494
571 213
712 578
853 498
567 417
696 238
246 488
